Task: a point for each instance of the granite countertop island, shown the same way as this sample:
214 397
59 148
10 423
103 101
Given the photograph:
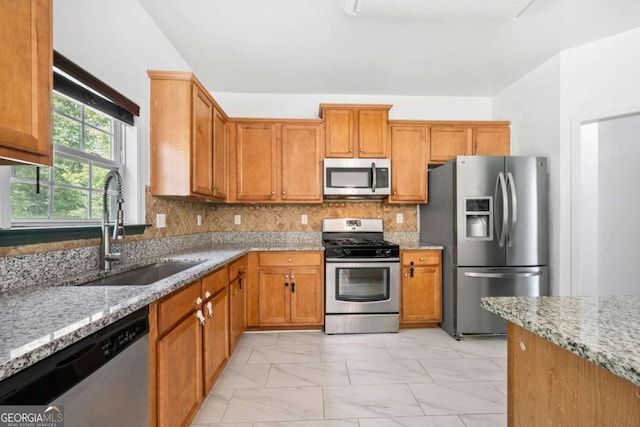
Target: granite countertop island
604 330
38 321
572 360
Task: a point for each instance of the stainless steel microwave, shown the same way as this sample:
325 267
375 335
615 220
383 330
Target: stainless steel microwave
357 178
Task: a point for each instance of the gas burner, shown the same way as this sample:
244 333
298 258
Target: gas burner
341 241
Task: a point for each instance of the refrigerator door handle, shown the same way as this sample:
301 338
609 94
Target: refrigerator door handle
501 184
503 275
514 207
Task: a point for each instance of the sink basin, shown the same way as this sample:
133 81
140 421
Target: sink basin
144 275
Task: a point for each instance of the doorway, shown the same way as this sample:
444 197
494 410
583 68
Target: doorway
606 206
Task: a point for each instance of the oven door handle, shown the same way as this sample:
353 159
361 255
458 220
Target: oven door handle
364 260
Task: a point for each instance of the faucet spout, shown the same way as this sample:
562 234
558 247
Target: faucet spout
106 256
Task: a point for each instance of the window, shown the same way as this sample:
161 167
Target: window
87 145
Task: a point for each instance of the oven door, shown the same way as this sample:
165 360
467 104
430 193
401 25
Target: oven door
363 285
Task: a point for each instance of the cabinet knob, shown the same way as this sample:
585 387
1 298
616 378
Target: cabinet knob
214 187
406 275
283 193
362 150
289 260
395 193
421 258
198 301
207 294
273 193
350 150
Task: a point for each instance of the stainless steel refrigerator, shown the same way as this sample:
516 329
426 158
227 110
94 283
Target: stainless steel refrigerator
490 214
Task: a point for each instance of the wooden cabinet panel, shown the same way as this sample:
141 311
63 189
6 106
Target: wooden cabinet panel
409 157
179 373
372 133
340 125
289 259
273 294
448 142
188 138
26 58
256 162
201 176
178 305
306 295
238 268
215 338
290 289
215 282
237 306
492 141
356 130
301 152
421 288
219 162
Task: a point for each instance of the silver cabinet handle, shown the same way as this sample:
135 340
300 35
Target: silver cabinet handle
501 184
200 317
514 207
210 308
503 275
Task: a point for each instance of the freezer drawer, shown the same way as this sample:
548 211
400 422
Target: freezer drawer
472 284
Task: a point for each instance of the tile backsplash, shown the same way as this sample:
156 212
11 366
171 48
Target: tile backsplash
181 219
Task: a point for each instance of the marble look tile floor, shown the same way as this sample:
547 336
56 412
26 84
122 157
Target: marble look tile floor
416 378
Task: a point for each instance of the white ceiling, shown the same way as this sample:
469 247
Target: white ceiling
315 46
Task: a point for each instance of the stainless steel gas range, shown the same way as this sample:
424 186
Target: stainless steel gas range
362 277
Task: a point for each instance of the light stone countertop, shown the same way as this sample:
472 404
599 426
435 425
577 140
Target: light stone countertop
38 321
604 330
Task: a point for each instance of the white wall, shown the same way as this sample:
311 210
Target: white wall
117 41
307 105
594 80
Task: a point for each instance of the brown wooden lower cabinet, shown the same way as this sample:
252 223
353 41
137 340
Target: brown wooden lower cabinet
215 335
550 386
288 290
421 288
237 295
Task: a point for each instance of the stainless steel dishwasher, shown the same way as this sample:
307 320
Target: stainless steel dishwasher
102 380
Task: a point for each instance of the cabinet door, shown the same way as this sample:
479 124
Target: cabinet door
340 133
492 141
256 161
219 173
450 141
421 294
237 305
202 153
372 133
215 344
409 156
301 175
274 295
179 373
26 59
306 295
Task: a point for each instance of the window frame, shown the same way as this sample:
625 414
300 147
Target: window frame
118 135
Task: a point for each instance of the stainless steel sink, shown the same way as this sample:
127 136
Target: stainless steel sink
144 275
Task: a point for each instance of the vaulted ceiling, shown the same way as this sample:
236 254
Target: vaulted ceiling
322 46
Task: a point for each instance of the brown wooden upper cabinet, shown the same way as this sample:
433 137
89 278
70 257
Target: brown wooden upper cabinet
188 138
409 156
356 130
26 50
486 139
276 161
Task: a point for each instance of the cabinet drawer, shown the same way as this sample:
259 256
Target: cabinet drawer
286 259
420 257
214 282
177 305
237 268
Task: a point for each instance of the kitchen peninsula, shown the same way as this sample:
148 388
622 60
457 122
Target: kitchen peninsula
572 360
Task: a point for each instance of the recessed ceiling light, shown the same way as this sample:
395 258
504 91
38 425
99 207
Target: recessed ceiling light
439 9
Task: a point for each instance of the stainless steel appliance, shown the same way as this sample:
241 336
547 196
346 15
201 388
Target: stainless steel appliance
362 277
490 214
357 178
102 380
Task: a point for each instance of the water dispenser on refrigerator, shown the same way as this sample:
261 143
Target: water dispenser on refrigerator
478 218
